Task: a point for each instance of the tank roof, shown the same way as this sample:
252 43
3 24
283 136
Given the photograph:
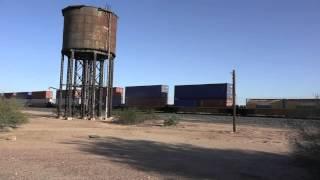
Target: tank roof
81 6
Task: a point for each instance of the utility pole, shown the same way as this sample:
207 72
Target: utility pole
234 99
316 96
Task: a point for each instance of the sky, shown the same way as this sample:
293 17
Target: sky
273 45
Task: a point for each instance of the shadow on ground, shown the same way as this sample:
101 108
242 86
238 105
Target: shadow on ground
194 162
41 115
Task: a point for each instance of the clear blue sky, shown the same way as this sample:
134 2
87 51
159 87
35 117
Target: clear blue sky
274 45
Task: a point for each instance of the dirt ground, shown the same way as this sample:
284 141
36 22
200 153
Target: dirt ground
49 148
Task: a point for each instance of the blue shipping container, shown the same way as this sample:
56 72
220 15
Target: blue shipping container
186 103
203 91
154 91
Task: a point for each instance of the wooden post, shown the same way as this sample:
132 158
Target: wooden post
234 99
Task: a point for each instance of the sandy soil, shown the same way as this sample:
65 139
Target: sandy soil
48 148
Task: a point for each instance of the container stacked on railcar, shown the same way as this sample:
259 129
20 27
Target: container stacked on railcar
35 98
283 103
76 94
41 98
116 96
265 104
203 95
153 96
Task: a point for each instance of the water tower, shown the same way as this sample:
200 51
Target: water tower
89 43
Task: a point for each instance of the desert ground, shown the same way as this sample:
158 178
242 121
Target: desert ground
199 147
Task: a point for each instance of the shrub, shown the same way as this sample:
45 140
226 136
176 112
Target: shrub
307 149
171 121
132 116
10 114
150 115
129 116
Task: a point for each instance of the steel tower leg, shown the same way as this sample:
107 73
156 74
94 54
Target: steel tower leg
89 94
88 72
93 76
74 88
108 92
84 89
60 86
87 80
101 73
69 85
67 89
110 87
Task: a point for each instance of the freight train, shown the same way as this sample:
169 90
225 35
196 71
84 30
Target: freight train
202 98
185 96
216 99
31 99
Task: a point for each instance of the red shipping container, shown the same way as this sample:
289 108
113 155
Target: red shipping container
41 95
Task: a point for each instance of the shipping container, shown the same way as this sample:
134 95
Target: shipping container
77 101
37 99
146 96
186 103
203 95
41 95
203 91
153 91
146 102
40 102
116 100
213 103
23 95
229 102
9 95
302 103
118 91
116 95
265 104
64 93
282 103
18 95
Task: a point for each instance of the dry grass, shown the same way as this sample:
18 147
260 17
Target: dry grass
307 149
10 114
171 121
132 116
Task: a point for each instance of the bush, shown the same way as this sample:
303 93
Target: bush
171 121
150 115
10 114
307 149
132 116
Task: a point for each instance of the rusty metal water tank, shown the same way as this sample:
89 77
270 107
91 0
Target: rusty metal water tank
86 28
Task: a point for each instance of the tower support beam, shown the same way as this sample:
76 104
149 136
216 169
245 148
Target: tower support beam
60 86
